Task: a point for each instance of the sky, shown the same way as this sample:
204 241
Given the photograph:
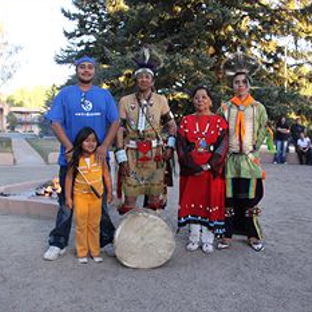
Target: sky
37 26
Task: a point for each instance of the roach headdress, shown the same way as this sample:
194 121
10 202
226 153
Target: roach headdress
147 62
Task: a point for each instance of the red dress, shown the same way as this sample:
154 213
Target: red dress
201 140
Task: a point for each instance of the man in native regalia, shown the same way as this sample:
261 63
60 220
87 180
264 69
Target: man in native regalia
141 150
247 119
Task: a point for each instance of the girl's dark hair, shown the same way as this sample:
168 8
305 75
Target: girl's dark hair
81 136
203 87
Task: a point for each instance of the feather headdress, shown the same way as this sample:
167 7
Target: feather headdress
240 63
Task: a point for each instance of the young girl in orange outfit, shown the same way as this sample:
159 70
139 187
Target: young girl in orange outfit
84 188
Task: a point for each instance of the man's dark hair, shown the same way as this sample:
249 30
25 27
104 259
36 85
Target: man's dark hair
242 73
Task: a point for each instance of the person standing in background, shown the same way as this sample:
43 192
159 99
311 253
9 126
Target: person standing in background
295 130
281 137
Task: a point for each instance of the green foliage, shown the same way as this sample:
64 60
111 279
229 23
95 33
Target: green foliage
280 103
25 97
44 125
12 121
193 37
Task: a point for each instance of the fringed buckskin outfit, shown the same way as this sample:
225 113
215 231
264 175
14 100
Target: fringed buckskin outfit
143 144
244 189
202 139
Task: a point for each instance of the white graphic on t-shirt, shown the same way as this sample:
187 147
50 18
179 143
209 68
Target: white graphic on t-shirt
86 105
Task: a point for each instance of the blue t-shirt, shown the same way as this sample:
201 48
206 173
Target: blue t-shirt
75 109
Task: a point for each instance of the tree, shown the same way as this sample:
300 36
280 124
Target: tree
193 37
25 97
8 63
44 125
12 121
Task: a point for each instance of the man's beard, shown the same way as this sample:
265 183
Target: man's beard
85 81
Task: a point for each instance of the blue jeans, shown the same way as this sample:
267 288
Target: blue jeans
59 236
281 148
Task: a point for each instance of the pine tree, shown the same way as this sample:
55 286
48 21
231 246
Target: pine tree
44 124
193 38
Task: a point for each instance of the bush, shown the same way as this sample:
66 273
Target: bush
5 145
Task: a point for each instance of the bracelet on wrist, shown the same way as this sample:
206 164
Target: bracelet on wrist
171 142
121 156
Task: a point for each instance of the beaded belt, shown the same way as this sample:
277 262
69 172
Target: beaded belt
154 143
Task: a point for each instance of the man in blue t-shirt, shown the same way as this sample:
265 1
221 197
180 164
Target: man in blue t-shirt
75 107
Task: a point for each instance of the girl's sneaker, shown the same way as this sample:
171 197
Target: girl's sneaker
97 259
83 260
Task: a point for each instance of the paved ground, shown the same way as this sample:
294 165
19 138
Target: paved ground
29 164
278 279
18 174
24 154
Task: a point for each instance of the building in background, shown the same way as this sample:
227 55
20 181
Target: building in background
19 119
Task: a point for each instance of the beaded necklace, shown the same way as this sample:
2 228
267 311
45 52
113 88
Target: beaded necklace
202 144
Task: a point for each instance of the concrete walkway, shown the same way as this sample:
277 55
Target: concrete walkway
24 154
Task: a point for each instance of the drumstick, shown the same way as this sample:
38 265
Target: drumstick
93 189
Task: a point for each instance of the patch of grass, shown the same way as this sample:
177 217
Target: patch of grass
5 145
44 146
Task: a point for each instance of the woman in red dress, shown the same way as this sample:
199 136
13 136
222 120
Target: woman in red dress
202 147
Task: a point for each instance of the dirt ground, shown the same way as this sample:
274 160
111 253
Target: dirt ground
236 280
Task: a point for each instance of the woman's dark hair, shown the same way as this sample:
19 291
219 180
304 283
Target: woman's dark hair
81 136
203 87
212 98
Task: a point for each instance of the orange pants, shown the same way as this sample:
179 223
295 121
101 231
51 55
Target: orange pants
88 211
